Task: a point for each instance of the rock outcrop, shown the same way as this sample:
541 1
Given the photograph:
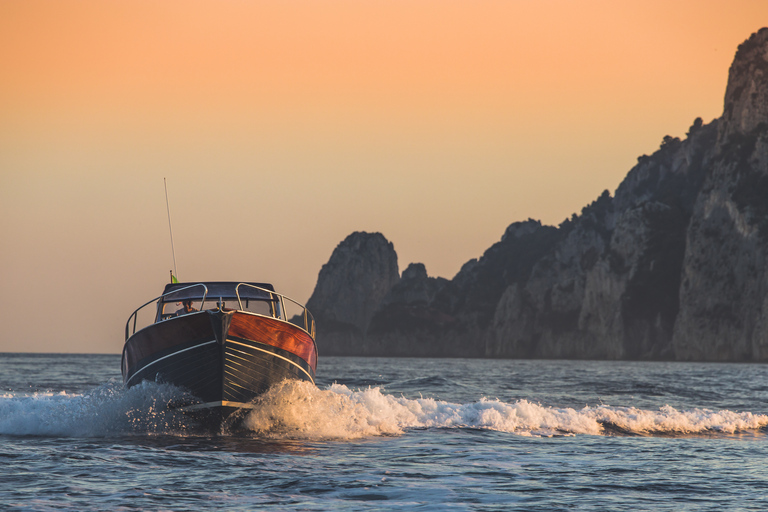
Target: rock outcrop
350 287
724 292
609 289
673 266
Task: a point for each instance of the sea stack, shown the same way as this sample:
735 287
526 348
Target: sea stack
350 287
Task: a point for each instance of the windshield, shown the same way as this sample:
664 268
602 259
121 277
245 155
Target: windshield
177 308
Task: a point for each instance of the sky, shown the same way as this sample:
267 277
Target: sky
281 127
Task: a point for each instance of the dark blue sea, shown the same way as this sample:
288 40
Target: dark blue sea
384 434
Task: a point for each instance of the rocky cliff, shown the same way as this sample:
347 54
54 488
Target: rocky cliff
673 266
351 286
724 289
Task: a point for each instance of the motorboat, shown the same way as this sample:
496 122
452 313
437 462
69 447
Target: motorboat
224 342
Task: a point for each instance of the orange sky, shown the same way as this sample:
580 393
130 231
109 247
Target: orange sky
284 126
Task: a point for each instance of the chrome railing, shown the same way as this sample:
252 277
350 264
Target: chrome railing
135 315
281 312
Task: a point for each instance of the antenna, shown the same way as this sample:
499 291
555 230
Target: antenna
170 229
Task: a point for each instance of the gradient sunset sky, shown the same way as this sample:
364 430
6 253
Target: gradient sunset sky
284 126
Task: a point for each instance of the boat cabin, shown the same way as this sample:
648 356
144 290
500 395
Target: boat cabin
180 299
256 298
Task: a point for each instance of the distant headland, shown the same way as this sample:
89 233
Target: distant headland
673 266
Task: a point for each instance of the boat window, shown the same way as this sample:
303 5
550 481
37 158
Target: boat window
260 307
169 309
254 306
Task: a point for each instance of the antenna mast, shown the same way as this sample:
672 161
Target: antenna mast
170 229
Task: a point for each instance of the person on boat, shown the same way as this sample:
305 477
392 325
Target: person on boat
186 308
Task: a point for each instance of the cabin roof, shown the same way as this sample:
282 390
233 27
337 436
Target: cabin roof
216 289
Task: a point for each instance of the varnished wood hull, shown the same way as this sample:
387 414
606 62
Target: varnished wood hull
224 359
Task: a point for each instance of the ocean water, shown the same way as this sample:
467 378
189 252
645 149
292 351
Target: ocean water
384 434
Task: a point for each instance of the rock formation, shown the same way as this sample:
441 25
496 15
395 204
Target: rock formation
673 266
609 288
350 287
724 292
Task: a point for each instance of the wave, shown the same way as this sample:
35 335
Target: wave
107 410
299 410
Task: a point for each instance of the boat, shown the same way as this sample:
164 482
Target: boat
224 342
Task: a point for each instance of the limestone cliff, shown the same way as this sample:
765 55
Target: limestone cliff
350 287
724 292
673 266
609 288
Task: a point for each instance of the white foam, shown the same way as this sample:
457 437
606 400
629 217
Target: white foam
300 410
107 410
668 420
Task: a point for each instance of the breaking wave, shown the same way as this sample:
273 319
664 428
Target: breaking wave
299 410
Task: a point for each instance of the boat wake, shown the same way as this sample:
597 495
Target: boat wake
107 410
299 410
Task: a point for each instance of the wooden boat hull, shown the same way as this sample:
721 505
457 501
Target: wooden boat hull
224 359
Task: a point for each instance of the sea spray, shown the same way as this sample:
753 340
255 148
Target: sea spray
668 420
299 410
107 410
